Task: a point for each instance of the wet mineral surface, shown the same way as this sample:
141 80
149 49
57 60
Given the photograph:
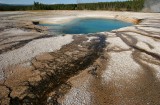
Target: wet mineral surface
121 67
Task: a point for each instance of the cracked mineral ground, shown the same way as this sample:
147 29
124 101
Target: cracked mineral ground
120 67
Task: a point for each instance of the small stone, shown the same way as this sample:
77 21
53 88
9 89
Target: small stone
37 64
44 56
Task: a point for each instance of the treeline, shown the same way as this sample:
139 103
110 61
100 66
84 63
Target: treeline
15 8
130 5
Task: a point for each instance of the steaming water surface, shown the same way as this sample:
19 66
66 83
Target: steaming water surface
87 25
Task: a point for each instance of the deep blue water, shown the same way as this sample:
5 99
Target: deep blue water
87 25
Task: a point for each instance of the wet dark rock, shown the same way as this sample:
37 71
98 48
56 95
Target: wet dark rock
35 22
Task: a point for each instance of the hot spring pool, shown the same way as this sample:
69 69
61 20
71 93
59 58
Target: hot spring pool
86 25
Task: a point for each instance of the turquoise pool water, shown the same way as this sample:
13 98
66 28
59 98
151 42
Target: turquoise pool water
87 25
